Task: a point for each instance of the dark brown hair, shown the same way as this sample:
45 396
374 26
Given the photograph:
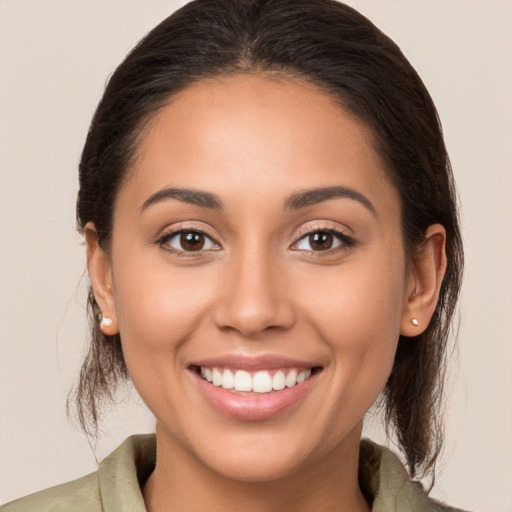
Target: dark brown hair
336 48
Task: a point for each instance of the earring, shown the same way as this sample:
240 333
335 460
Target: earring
414 321
104 321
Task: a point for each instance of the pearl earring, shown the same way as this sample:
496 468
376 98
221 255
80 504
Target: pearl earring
105 321
414 321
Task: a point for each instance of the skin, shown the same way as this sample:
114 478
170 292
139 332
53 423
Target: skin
260 288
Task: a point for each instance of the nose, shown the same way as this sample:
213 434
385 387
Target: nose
253 297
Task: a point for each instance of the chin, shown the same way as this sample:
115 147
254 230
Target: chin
265 453
260 453
255 467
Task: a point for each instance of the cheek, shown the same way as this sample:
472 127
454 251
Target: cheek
358 316
362 302
158 313
158 309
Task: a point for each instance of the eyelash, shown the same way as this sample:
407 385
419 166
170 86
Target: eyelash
346 241
179 230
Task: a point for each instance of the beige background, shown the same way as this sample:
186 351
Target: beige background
55 57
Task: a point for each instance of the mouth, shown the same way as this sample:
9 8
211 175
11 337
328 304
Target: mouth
254 390
255 382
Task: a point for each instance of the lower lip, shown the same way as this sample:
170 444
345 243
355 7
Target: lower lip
254 407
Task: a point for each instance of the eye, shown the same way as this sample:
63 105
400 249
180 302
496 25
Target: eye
188 241
323 240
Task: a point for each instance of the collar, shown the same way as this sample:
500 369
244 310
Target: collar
124 471
382 477
385 482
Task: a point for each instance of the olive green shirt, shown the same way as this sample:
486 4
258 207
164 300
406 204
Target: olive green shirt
116 486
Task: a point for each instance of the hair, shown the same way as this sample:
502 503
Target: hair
333 46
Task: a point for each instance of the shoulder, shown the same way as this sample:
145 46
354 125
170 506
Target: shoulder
388 484
78 495
114 487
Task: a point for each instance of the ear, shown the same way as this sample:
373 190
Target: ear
426 274
100 273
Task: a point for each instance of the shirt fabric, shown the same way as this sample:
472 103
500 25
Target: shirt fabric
116 485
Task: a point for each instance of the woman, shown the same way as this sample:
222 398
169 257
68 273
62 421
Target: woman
272 242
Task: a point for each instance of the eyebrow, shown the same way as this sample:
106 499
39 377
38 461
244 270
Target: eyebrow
195 197
319 195
294 202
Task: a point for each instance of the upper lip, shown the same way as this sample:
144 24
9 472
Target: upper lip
253 363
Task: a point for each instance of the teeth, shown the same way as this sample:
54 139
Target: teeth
217 377
260 382
206 373
291 379
278 381
243 381
228 380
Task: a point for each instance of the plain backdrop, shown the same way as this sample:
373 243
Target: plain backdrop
54 59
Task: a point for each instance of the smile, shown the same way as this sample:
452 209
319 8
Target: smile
261 381
254 389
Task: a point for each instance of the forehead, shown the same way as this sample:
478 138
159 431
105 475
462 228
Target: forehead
257 134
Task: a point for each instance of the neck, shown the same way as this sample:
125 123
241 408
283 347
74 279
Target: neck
181 482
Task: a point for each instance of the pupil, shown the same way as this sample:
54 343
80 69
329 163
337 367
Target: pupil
321 241
192 241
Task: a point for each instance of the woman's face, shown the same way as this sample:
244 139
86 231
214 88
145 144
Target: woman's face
257 243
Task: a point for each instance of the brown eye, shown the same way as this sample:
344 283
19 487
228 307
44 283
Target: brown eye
188 241
321 240
324 240
192 241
